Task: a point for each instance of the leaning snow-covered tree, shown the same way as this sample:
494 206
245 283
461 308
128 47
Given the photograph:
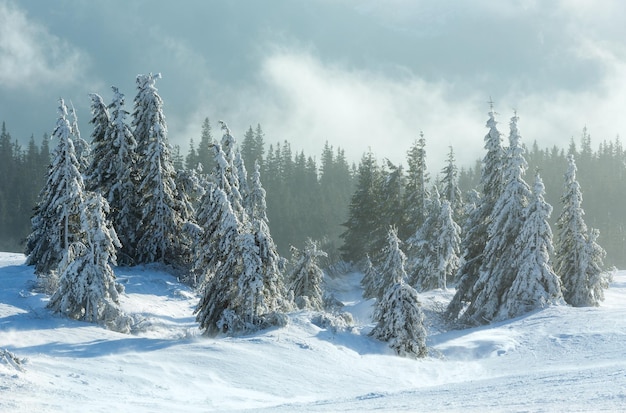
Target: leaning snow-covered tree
398 314
306 277
87 289
56 218
217 263
475 229
578 256
536 285
499 266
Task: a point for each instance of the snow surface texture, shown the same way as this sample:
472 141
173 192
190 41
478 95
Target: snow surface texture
560 359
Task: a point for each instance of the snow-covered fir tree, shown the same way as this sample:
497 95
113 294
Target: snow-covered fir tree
448 243
370 281
578 257
56 217
398 314
160 237
306 277
227 171
417 181
536 285
121 191
87 289
82 148
238 265
422 249
393 264
217 262
497 270
99 171
499 266
475 230
272 265
362 217
450 190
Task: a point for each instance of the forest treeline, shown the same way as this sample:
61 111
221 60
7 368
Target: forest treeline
309 197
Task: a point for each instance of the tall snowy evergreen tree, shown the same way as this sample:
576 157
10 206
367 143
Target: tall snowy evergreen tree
204 152
217 260
83 151
578 256
87 289
448 243
393 264
98 174
121 192
160 227
306 277
272 265
416 193
241 282
476 233
450 190
391 208
56 217
362 216
536 285
422 249
499 266
398 314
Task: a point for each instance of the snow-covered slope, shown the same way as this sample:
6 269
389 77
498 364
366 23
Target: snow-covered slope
559 359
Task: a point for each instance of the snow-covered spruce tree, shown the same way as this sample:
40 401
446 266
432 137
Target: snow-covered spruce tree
393 265
83 151
242 287
499 266
578 256
272 265
228 171
87 288
536 285
160 236
218 259
398 314
99 172
306 277
448 243
360 226
242 179
450 190
475 228
56 217
121 192
370 281
422 249
416 194
434 250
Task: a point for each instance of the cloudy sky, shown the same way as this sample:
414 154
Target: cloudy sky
356 73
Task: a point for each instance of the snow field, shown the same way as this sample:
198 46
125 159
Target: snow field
557 359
